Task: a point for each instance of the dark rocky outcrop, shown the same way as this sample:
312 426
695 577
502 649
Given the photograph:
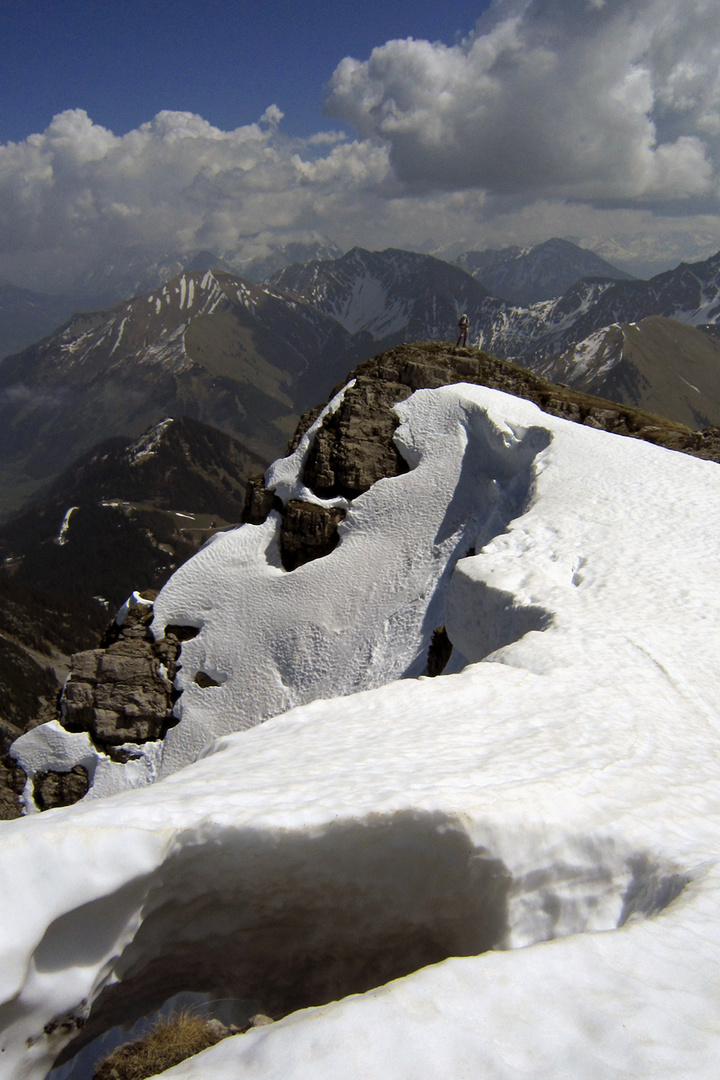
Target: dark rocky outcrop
354 446
123 693
120 693
12 785
308 531
258 501
60 788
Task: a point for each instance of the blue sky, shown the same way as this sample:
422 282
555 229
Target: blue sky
436 125
126 61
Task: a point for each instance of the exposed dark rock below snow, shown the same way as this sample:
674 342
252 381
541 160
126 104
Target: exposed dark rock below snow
124 692
354 446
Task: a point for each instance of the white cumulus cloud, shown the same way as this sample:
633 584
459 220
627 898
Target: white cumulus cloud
571 99
177 183
585 118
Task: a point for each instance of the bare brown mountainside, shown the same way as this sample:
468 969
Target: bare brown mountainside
657 364
245 358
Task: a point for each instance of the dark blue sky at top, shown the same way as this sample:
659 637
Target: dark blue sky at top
225 59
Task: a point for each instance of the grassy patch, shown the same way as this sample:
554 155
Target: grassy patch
171 1041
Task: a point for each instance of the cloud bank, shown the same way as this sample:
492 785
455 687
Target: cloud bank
176 184
577 117
579 99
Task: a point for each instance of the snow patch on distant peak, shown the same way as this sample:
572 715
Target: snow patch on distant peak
62 537
148 444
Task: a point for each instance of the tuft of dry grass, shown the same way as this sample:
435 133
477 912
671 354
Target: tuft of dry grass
171 1041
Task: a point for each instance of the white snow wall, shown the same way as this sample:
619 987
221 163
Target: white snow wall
363 615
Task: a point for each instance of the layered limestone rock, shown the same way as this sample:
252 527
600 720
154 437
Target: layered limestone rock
123 693
354 447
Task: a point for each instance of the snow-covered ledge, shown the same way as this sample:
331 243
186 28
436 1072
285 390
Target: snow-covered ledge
554 804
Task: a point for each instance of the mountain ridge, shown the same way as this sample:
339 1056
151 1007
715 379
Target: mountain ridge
250 358
525 276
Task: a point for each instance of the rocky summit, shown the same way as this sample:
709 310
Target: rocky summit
122 692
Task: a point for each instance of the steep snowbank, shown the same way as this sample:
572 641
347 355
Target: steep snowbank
363 615
357 618
565 792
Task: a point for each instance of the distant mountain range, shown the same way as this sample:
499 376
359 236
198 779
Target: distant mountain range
29 313
390 296
250 357
263 267
526 275
208 345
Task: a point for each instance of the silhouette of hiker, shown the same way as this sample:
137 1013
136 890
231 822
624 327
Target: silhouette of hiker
463 324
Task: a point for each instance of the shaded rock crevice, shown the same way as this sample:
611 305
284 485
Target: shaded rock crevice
308 531
259 501
439 653
60 788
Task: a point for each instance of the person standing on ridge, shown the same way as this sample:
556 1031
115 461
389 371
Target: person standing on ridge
463 324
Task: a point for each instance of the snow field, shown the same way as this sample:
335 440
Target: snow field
363 615
557 803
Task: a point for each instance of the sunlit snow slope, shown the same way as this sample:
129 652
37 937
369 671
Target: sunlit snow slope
551 806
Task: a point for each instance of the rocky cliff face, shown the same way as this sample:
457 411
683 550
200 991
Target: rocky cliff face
123 693
354 447
120 693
